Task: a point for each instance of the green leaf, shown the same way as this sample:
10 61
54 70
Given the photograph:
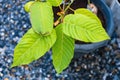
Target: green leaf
41 15
84 28
87 13
55 2
32 46
28 5
63 50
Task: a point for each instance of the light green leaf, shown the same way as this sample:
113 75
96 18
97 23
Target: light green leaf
55 2
32 46
87 13
41 15
63 50
28 5
84 28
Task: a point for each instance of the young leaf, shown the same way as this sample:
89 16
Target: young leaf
63 50
32 46
55 2
84 28
28 5
87 13
41 16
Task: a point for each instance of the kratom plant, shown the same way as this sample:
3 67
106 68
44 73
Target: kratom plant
60 36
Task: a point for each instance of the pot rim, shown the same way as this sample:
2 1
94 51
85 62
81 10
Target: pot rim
117 2
86 48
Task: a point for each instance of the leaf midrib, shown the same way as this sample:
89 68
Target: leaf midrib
27 50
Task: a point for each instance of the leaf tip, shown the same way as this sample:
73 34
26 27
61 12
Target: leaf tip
58 71
13 65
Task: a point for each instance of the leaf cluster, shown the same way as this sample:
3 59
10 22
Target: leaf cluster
83 25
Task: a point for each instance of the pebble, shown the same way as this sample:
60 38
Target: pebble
116 77
1 69
75 64
1 0
118 41
6 79
1 75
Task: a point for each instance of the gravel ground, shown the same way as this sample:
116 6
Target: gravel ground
102 64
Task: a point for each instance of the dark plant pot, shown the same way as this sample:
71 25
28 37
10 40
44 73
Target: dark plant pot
86 48
115 6
109 2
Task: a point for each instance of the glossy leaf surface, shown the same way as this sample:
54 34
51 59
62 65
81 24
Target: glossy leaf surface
32 46
55 2
84 28
63 50
41 16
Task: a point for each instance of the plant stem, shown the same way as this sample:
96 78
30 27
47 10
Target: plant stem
63 15
64 9
71 9
60 8
68 6
64 5
88 1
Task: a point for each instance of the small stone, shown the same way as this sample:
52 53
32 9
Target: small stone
46 78
40 70
9 61
13 70
118 64
1 69
114 71
13 33
6 79
118 68
1 0
115 46
116 77
48 75
78 68
113 40
105 76
1 74
12 21
18 73
24 26
85 67
16 39
2 44
2 34
90 75
65 75
75 64
118 41
2 30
